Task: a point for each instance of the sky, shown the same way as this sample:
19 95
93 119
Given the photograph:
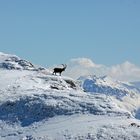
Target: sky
49 32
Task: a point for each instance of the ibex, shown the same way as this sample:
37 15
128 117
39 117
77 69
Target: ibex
59 70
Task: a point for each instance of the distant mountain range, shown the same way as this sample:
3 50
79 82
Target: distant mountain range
108 86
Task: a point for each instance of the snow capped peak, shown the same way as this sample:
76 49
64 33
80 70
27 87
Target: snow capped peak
106 80
4 57
9 62
107 85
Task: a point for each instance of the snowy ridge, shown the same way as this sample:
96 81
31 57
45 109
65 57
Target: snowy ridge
127 93
36 105
106 85
45 96
13 62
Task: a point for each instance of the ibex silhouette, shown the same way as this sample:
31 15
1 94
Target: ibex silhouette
59 70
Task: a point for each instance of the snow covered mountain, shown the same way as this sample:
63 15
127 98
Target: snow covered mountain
13 62
36 105
108 86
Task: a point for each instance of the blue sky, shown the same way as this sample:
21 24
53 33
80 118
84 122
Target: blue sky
49 32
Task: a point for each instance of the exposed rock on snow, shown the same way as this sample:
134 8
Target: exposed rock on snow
29 109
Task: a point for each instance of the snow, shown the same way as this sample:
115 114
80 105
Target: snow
107 85
137 114
75 127
36 105
136 84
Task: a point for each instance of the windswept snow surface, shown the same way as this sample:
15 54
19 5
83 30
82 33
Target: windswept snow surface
36 105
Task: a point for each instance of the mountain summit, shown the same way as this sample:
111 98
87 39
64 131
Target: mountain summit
13 62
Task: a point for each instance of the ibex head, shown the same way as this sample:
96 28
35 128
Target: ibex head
64 66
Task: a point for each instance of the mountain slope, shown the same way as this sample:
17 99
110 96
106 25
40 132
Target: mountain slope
42 96
108 86
13 62
128 94
36 105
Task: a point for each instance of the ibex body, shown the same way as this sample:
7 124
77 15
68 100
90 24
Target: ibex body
59 70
